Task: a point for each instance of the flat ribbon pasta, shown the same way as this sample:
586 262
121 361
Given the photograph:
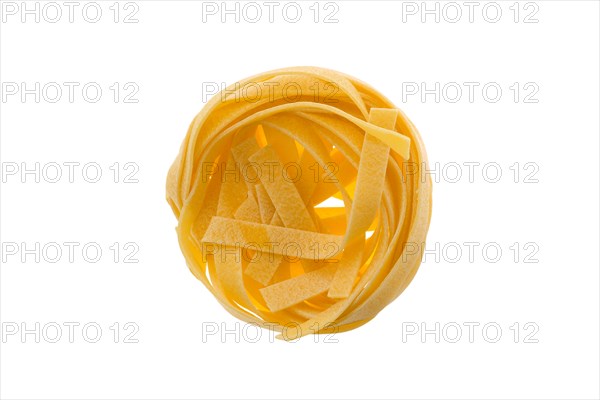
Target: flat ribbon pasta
258 188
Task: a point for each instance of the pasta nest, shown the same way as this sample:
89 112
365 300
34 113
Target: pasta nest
297 200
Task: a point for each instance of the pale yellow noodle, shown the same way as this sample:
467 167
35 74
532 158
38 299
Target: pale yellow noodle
240 211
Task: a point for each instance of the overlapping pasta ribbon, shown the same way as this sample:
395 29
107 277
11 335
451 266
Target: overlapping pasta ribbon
252 189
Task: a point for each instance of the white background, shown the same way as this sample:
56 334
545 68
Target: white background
169 54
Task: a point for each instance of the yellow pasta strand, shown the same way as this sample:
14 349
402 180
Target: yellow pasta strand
297 209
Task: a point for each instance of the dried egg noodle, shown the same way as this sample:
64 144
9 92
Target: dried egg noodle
257 189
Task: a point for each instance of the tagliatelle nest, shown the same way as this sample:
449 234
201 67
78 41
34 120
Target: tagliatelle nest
258 188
